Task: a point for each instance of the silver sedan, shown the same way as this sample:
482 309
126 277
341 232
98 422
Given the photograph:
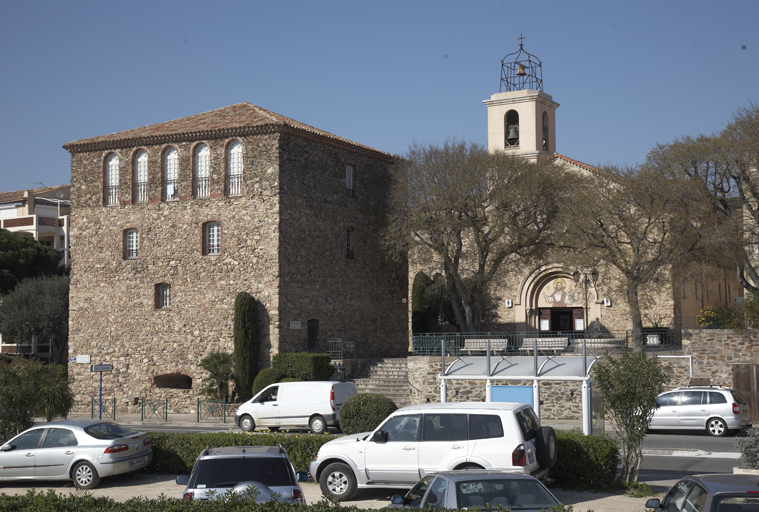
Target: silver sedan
477 489
78 450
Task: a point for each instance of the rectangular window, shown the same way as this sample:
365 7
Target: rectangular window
349 243
163 296
132 245
212 238
350 180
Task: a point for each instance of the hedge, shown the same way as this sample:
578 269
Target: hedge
303 365
175 453
584 461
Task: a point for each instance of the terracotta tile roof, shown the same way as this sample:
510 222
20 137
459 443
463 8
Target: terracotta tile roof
234 120
581 165
18 195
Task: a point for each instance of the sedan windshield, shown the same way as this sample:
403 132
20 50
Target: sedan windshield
516 494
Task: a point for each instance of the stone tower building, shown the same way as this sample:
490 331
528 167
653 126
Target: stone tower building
170 221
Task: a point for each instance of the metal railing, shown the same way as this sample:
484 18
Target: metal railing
154 409
544 342
212 410
234 184
335 348
202 188
105 408
141 192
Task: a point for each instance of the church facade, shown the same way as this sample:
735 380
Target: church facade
171 221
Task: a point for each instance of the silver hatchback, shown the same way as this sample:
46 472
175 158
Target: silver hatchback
263 473
78 450
716 409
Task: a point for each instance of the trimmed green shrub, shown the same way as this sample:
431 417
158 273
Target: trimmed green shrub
749 448
290 379
175 452
245 334
584 461
265 377
303 365
364 412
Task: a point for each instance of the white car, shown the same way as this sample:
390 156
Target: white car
419 440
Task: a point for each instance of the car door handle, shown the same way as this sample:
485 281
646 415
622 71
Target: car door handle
30 454
409 448
69 452
457 446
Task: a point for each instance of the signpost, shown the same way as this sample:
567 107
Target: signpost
100 368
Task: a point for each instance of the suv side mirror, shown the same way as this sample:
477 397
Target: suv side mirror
301 476
380 437
653 503
397 499
183 480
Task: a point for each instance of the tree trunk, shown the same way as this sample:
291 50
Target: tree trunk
637 318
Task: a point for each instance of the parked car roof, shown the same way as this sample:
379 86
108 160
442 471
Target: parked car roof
478 406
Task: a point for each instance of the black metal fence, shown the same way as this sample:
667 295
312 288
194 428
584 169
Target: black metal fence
154 409
103 408
212 410
542 342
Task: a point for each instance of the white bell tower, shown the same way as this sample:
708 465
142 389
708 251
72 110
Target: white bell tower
522 119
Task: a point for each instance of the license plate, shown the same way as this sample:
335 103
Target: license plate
531 458
134 462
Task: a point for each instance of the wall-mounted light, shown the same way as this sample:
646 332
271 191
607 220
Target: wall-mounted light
607 302
509 303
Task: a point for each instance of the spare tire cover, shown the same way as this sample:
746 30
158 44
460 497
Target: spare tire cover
545 446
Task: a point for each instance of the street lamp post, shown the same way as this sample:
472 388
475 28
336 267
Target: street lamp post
587 279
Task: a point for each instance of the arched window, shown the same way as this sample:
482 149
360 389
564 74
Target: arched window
545 131
112 180
211 238
131 244
202 172
140 192
234 169
171 174
512 128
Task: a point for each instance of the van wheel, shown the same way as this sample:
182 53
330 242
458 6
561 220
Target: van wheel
247 423
545 447
716 427
317 425
337 480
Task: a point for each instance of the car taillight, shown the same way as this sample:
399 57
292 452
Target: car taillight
519 456
187 496
117 448
297 495
332 398
146 441
736 409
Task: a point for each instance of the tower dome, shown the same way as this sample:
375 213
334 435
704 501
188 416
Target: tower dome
521 70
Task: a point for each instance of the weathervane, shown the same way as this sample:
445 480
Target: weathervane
521 70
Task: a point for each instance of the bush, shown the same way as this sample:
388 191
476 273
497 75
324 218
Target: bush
175 453
364 412
303 365
749 448
585 461
245 334
265 377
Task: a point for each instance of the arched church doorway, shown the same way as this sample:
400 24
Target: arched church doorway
560 303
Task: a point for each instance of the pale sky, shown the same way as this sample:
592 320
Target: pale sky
381 73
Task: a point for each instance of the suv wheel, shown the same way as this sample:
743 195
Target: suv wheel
247 423
545 447
337 480
716 427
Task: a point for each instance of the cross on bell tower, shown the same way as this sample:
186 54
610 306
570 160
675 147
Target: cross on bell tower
522 118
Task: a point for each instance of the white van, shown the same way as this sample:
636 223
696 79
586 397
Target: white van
312 404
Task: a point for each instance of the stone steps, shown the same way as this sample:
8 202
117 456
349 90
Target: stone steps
387 377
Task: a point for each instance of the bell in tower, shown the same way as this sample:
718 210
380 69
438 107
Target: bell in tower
521 117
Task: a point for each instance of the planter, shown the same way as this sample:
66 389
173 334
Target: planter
740 470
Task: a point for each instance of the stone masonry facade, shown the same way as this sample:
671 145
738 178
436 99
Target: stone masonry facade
283 240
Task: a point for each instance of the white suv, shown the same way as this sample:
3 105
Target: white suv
421 439
716 409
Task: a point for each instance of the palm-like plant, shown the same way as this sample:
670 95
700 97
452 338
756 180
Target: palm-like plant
219 368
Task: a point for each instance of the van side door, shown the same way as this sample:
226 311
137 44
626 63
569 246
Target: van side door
267 408
693 410
444 442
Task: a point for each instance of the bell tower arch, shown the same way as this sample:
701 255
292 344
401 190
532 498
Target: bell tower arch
521 117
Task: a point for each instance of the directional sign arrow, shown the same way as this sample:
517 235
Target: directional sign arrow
101 367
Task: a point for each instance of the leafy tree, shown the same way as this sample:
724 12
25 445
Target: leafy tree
22 257
38 307
219 368
245 335
29 388
630 383
474 214
639 221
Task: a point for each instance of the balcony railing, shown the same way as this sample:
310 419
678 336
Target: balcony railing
234 185
112 195
544 342
140 192
202 188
